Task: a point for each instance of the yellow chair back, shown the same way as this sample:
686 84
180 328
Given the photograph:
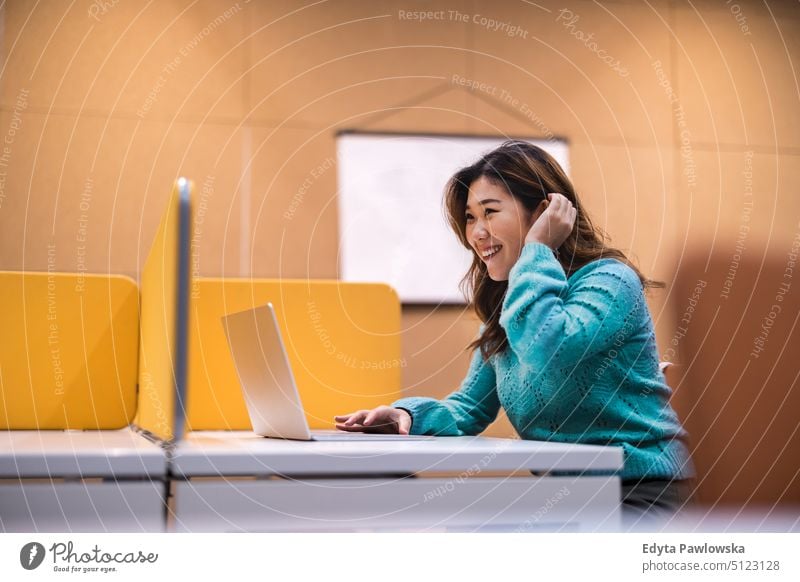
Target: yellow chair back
343 342
68 351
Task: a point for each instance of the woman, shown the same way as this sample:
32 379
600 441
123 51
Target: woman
567 346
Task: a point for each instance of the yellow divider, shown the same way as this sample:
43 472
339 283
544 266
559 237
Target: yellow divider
164 320
343 341
68 351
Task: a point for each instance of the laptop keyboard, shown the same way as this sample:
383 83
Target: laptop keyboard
362 436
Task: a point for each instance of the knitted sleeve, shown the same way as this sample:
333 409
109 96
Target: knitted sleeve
552 324
466 411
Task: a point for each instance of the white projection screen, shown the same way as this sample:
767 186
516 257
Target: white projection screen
392 226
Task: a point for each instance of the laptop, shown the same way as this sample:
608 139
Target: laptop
268 385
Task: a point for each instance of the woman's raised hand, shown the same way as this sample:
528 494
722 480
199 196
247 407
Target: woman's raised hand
555 224
383 419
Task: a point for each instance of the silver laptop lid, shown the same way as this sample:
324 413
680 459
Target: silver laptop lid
268 385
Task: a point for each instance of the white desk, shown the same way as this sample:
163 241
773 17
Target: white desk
236 481
74 481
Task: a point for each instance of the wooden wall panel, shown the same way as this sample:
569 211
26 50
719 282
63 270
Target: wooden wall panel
735 83
583 71
154 60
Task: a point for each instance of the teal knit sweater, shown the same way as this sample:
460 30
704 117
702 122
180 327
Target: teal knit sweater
582 368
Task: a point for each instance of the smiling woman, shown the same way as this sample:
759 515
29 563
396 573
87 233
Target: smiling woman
558 305
515 195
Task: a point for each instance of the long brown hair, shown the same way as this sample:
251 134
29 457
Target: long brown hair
528 173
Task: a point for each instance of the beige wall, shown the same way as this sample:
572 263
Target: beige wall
249 106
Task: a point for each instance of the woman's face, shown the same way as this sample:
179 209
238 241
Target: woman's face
496 226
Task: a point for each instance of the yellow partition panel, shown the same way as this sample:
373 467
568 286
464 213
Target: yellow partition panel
68 351
343 342
164 320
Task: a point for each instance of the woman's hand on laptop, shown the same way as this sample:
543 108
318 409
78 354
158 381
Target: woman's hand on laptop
383 419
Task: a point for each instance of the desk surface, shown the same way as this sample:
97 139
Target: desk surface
74 453
230 453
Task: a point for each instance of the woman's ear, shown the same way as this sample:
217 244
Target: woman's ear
536 213
543 205
539 210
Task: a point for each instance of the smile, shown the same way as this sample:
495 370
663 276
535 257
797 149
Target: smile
490 252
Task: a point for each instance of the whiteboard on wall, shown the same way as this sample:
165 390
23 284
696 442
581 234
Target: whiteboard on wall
392 225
